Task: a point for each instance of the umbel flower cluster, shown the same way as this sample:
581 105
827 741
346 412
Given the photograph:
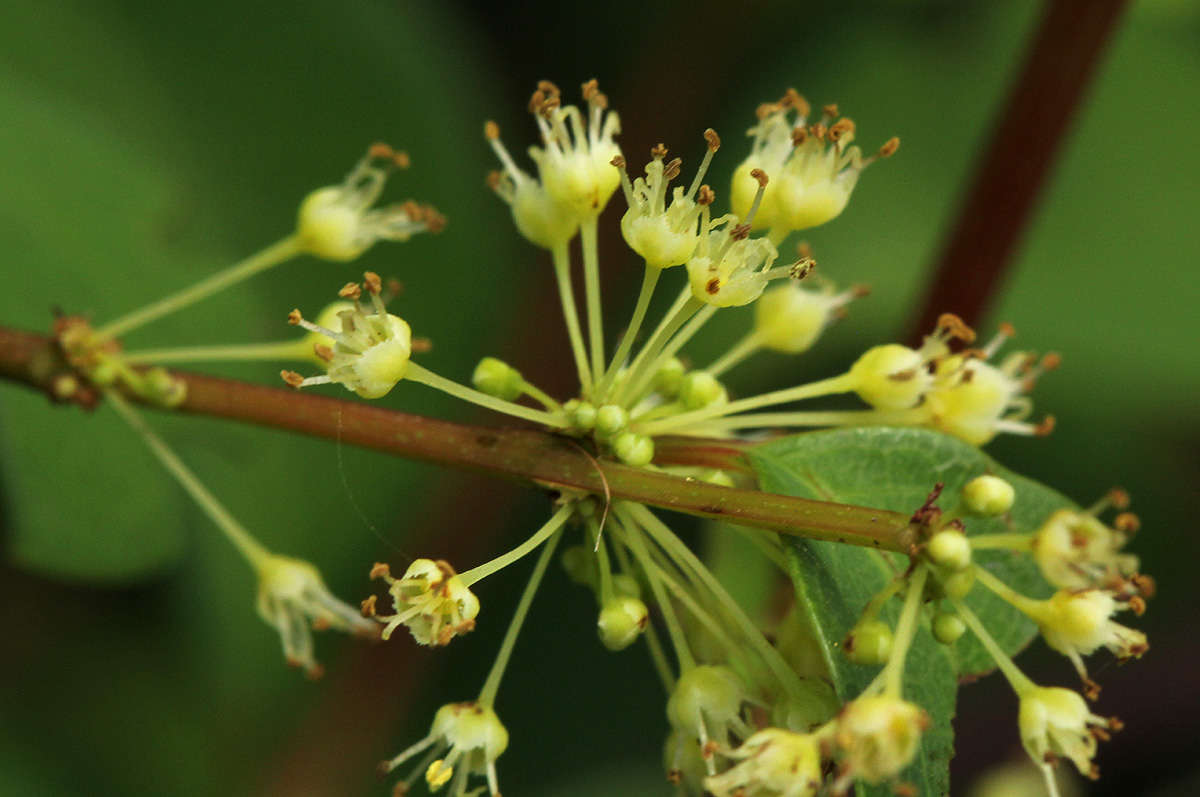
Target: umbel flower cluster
743 720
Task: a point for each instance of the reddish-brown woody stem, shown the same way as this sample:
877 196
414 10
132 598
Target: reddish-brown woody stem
548 460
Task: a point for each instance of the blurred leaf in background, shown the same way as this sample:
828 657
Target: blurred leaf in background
148 145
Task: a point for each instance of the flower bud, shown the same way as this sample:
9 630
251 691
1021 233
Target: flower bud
581 415
633 449
707 702
611 419
988 495
947 627
498 378
869 642
701 389
950 549
669 378
621 621
957 585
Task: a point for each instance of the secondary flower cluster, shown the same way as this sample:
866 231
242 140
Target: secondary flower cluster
743 719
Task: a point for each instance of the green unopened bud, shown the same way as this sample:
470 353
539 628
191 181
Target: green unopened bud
700 389
621 621
988 495
634 449
950 549
959 584
581 415
669 378
164 389
104 374
948 627
580 564
869 642
498 378
611 419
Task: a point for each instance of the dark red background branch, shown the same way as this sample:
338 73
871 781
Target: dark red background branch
1031 126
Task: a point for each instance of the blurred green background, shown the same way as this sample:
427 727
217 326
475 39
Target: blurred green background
145 145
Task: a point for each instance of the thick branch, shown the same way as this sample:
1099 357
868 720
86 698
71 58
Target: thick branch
531 455
1031 125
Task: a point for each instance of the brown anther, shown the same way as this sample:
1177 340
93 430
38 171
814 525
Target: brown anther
802 268
367 607
1118 497
321 624
954 327
968 376
549 106
1115 725
1100 734
1145 584
618 161
705 196
957 525
294 317
740 232
323 351
1091 689
709 749
493 180
1045 427
590 89
600 101
818 131
315 672
536 100
793 99
905 790
392 288
760 176
548 88
672 169
1051 361
380 150
1094 772
491 130
860 291
1127 522
889 147
1050 758
674 776
435 222
840 128
1137 605
400 789
372 282
903 376
799 136
712 139
658 151
292 378
1007 329
380 570
713 286
401 160
351 290
766 109
421 345
830 110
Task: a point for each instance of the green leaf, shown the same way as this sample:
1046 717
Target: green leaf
895 469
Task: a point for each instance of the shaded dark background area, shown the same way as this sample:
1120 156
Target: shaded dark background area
144 146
